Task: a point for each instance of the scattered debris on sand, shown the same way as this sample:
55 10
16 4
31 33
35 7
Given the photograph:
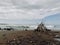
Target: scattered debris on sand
39 36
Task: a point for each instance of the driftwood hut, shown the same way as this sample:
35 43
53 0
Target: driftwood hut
41 27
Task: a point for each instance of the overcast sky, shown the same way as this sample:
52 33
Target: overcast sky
28 9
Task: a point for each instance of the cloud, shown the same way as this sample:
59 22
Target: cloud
28 9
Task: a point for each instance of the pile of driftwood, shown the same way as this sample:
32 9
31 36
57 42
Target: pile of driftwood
41 28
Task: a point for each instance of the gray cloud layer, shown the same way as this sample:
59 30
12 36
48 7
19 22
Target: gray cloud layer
28 9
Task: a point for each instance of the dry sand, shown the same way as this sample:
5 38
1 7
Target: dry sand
34 38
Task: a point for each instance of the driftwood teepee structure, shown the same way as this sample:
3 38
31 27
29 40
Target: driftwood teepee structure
41 27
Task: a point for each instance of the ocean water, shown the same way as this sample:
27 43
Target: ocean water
30 27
